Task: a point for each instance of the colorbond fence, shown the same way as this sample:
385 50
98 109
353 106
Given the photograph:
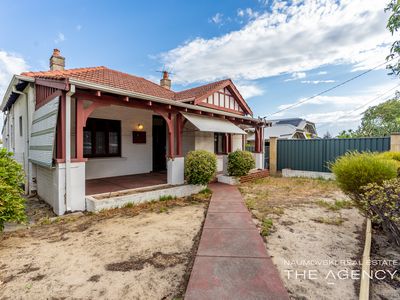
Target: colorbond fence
315 155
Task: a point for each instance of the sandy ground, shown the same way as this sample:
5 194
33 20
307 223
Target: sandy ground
121 257
313 247
300 245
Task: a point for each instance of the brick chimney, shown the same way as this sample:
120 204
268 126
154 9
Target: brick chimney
165 82
57 62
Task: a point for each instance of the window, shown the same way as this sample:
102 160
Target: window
219 143
102 138
20 126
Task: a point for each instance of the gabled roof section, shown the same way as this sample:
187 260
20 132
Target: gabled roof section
199 93
108 77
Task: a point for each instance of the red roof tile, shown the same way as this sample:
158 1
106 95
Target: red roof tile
108 77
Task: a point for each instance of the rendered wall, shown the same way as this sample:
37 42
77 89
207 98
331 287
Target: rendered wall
135 158
51 187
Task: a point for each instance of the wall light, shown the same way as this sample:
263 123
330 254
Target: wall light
140 126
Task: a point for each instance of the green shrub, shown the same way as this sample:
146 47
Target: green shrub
381 203
354 170
266 226
240 163
392 155
12 204
200 166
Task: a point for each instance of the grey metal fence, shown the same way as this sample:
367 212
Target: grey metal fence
315 155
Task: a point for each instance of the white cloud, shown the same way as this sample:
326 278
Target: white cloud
291 38
216 19
60 38
240 12
249 90
10 64
296 76
318 81
248 12
322 73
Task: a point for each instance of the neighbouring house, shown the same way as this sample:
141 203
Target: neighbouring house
85 131
291 128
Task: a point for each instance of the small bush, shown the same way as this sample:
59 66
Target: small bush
337 205
266 226
240 163
354 170
381 203
12 204
200 166
393 156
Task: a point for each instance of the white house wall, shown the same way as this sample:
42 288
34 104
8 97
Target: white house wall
15 142
237 142
135 158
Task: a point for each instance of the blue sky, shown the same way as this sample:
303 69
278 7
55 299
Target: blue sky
277 52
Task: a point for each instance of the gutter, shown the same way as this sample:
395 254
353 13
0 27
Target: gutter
11 86
100 87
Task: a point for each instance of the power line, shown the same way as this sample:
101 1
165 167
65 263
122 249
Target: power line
365 104
330 89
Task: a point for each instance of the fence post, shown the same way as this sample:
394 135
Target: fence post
395 142
273 155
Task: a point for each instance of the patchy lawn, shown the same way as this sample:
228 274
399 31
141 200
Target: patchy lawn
137 252
308 224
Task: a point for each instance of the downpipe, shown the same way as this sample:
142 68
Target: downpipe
69 94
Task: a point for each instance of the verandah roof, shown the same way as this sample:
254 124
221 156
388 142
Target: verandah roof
209 124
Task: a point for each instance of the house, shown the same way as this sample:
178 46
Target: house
293 128
83 131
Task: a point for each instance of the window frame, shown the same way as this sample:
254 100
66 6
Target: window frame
94 125
20 124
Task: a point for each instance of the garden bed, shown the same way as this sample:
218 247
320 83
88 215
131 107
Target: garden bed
384 251
136 252
308 225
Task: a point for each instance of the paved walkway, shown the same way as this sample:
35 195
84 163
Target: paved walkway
232 262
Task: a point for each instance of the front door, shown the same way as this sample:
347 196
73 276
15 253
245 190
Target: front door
159 143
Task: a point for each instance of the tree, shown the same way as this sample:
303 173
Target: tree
347 134
327 135
380 120
393 25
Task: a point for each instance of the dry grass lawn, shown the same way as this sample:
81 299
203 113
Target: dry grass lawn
138 252
307 220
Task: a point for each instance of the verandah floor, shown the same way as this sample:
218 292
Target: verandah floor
119 183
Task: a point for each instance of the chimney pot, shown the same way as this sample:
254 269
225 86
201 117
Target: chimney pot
165 82
57 62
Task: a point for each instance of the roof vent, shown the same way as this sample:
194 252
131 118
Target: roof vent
165 82
57 62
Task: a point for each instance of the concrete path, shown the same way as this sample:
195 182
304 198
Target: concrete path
232 262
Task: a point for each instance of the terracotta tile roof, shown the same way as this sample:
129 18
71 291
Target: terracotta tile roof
108 77
105 76
201 90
